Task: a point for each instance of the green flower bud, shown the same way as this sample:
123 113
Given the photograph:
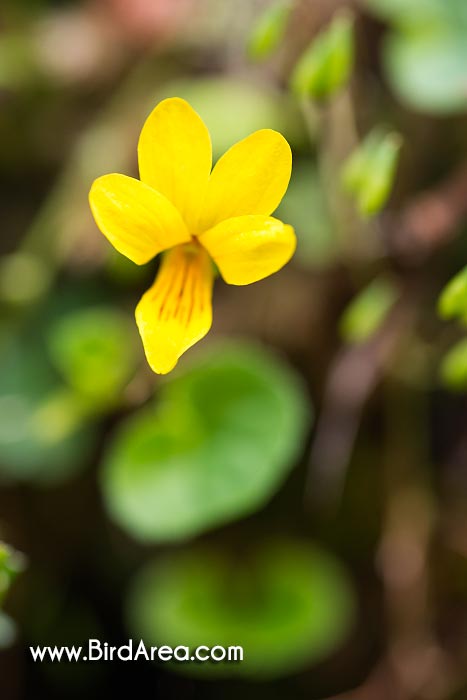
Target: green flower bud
454 367
367 311
369 172
269 30
326 65
453 299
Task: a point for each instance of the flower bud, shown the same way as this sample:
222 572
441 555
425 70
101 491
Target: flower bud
368 310
453 299
326 65
369 172
269 30
454 367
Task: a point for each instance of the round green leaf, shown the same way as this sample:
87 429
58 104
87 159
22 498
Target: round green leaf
217 100
287 604
95 351
219 444
428 70
426 54
422 14
41 435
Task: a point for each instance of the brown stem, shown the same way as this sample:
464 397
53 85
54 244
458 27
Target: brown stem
352 378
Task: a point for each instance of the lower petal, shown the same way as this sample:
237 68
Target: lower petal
176 311
248 248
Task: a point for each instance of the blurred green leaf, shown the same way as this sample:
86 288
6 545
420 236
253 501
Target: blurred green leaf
234 108
425 55
95 350
358 165
454 367
429 14
368 310
11 564
453 299
326 65
18 64
217 447
123 271
428 71
58 416
269 30
23 278
30 447
286 603
305 207
7 631
369 172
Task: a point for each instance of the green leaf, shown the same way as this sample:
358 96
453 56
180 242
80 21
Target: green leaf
31 447
453 299
422 14
425 55
216 448
326 65
286 603
428 70
11 561
367 311
454 367
23 278
58 416
11 564
269 30
7 631
18 64
96 352
370 170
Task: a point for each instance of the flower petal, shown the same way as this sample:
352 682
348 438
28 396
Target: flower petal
248 248
137 220
250 178
175 156
176 311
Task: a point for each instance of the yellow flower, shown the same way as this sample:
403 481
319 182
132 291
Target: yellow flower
194 216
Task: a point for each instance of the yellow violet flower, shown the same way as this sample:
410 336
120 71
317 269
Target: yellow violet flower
194 216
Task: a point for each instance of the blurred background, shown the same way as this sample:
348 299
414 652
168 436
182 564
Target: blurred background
298 484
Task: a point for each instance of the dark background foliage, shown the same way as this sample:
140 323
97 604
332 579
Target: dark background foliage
313 448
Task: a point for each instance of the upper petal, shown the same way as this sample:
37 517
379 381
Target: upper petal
137 220
248 248
175 156
176 311
250 178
